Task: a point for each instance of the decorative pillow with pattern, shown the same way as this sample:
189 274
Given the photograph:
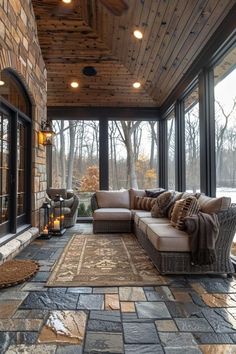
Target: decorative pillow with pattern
163 202
183 208
144 203
177 196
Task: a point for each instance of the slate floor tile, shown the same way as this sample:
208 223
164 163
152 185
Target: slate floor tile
112 302
179 309
8 308
143 349
185 350
29 349
64 327
52 300
132 294
82 290
166 326
91 302
127 306
140 333
17 324
6 338
152 310
111 316
193 325
220 320
177 339
104 326
69 349
106 290
34 286
218 348
220 300
213 338
103 342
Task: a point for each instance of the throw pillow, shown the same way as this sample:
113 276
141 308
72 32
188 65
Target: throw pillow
183 208
144 203
154 193
177 196
160 208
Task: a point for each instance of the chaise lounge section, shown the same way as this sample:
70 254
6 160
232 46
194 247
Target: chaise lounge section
168 247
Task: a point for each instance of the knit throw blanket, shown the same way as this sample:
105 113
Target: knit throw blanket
204 230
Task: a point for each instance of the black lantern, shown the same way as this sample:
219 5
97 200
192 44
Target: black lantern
57 217
46 134
44 220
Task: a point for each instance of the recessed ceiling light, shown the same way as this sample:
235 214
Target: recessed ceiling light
138 34
74 84
2 83
136 85
67 1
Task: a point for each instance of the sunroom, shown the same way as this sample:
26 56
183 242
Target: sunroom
103 99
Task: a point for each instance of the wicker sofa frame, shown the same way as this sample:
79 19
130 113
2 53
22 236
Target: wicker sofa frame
180 262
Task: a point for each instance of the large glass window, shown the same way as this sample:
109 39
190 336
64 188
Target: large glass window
192 141
133 154
225 128
75 159
171 149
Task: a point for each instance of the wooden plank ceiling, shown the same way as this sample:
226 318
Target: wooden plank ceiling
86 32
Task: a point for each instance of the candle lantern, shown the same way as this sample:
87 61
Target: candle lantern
44 220
57 216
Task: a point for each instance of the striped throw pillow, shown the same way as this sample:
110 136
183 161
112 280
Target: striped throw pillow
183 208
144 203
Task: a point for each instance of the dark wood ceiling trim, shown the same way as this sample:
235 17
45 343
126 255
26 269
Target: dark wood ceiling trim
227 28
86 113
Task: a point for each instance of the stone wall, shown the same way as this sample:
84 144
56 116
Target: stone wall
20 51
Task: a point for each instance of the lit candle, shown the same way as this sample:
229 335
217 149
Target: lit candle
57 224
45 231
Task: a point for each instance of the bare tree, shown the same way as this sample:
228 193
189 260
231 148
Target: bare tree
128 129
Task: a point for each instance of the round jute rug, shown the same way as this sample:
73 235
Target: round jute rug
17 271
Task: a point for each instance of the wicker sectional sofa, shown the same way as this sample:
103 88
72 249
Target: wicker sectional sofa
168 247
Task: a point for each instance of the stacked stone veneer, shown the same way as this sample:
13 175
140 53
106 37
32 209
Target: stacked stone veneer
20 51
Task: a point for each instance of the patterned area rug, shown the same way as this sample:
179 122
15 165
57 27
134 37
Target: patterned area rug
103 260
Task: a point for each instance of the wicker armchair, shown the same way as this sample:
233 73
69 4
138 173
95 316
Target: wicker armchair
180 262
71 203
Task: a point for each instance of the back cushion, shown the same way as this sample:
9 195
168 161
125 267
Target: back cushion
133 193
52 192
113 199
144 203
213 205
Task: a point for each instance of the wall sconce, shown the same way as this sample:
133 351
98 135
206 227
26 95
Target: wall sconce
45 136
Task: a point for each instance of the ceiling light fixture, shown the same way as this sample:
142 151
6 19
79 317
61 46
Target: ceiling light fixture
74 84
138 34
136 84
66 1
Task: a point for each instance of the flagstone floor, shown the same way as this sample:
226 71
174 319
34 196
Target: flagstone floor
182 314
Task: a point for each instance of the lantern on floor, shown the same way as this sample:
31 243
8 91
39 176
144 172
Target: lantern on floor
44 220
57 216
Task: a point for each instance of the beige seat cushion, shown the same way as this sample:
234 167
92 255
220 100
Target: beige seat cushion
213 205
112 214
138 214
168 239
113 199
144 222
133 193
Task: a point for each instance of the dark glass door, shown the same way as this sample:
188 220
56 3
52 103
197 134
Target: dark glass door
5 172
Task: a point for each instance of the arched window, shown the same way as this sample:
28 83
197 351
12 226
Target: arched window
15 154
